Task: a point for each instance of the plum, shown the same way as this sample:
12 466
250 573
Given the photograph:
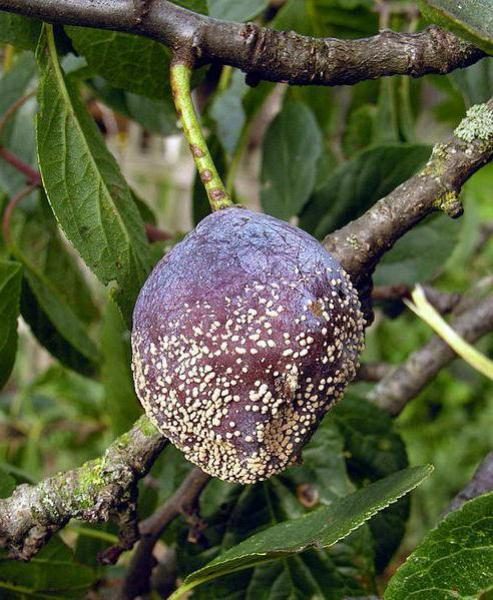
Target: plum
244 335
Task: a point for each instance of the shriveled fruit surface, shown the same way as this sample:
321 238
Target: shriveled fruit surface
244 335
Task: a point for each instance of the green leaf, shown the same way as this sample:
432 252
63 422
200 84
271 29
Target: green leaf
360 127
319 529
472 20
359 183
48 335
121 401
233 513
228 112
474 83
157 116
328 18
54 278
126 61
374 450
455 560
10 289
291 148
236 11
7 483
90 198
421 253
53 573
199 6
19 31
386 124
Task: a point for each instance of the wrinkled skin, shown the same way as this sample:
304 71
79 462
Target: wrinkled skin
244 335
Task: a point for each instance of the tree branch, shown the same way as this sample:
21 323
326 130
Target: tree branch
406 381
264 53
443 302
481 483
359 245
94 492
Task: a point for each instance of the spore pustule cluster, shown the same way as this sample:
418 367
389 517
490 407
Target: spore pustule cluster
244 335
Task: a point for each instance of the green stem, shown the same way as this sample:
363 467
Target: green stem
180 74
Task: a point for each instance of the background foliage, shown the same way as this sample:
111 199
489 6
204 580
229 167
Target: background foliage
101 130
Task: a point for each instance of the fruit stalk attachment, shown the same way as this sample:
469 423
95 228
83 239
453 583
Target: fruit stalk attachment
180 75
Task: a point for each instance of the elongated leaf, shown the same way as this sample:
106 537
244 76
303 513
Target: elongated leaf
421 253
228 112
19 31
472 19
85 188
475 83
129 62
318 529
454 561
10 289
65 308
291 149
53 573
359 183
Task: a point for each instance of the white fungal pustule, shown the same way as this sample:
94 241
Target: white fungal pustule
245 334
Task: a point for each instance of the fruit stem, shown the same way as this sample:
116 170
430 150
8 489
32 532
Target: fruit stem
180 74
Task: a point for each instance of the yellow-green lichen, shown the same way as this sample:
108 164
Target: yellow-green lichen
477 124
90 480
435 167
450 204
147 428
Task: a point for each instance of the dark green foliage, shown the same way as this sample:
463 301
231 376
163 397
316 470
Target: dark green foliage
455 560
473 20
19 31
100 201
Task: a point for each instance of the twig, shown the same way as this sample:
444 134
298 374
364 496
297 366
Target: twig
481 483
372 371
405 382
183 502
264 53
94 492
11 206
32 176
156 234
485 234
12 109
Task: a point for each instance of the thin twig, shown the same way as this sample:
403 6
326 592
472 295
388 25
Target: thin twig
32 176
443 302
372 371
183 502
481 483
13 108
9 211
406 381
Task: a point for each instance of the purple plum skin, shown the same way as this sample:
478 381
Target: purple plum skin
244 335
